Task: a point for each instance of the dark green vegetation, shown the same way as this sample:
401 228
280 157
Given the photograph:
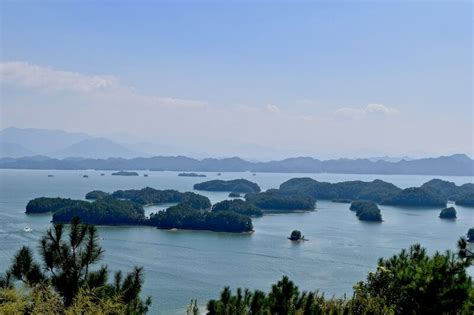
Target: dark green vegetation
466 199
470 235
148 196
45 204
366 211
449 189
448 213
68 259
125 173
417 197
408 283
105 211
234 195
235 185
96 194
376 190
238 206
184 217
434 193
274 199
125 207
191 175
295 235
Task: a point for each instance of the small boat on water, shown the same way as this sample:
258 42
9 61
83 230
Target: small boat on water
85 176
50 175
27 229
145 175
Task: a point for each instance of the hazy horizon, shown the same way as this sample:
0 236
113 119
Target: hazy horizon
291 80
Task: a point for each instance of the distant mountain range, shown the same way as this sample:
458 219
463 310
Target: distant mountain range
17 142
57 149
457 165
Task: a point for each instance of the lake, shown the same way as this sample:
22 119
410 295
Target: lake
181 265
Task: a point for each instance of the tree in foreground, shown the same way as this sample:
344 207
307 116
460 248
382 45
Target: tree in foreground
411 282
66 272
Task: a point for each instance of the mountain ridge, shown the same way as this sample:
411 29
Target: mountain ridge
455 165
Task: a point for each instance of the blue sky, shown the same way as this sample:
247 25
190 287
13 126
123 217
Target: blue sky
322 62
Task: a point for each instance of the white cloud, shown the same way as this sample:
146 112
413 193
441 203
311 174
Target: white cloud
272 109
362 112
32 76
106 87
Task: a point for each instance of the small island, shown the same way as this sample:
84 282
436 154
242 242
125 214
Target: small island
417 197
234 195
366 211
470 235
96 194
376 190
125 173
448 213
235 185
184 217
50 205
238 206
191 175
296 236
465 200
151 196
275 200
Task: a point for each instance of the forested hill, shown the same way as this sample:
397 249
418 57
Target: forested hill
458 164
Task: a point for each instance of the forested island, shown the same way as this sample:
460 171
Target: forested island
183 216
417 197
194 211
151 196
376 190
235 185
276 200
125 173
434 193
238 206
366 211
466 199
191 175
448 213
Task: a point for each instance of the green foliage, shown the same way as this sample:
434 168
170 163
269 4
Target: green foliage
417 197
234 195
414 283
68 259
366 210
295 235
465 199
376 190
448 213
45 204
408 283
182 216
150 195
274 199
105 211
237 206
235 185
96 194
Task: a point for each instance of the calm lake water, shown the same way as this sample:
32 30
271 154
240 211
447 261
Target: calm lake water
181 265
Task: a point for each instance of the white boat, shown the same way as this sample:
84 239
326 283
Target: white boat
27 229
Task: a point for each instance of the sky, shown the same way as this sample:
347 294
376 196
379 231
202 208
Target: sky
255 78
